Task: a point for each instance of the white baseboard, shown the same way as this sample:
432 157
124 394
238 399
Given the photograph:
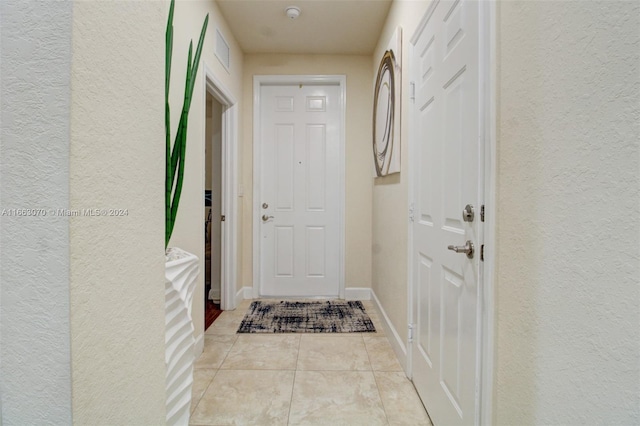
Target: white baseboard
248 292
394 338
214 294
244 293
357 293
239 297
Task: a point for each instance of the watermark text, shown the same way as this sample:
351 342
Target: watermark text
40 212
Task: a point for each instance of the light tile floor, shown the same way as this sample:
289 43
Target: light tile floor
301 379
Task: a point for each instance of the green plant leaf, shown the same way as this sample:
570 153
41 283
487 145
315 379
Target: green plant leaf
175 157
168 226
196 59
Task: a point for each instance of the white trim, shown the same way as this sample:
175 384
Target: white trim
411 122
239 296
392 334
261 80
357 293
214 294
244 293
229 141
488 173
488 40
247 292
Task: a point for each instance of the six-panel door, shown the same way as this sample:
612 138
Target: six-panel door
447 151
300 167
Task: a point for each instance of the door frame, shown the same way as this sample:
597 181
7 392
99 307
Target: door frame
288 80
229 183
487 175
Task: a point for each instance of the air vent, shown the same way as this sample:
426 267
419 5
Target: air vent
222 50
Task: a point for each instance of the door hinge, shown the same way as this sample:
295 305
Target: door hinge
410 334
412 91
482 253
482 213
223 218
411 210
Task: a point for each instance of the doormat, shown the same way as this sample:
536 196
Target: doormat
330 316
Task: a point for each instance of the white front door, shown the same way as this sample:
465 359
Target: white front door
448 146
299 190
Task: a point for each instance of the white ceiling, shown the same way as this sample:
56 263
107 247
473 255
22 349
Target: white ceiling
324 26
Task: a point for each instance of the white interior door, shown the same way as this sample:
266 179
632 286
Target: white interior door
448 141
299 190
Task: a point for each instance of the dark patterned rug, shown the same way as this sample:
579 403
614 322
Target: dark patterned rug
330 316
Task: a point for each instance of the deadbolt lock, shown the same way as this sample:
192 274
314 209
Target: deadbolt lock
468 213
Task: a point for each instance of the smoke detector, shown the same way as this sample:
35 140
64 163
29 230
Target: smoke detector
292 12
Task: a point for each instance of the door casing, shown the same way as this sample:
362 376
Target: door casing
262 80
229 142
487 176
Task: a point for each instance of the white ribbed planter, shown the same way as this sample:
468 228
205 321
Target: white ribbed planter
181 272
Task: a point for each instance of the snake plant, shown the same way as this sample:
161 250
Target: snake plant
175 156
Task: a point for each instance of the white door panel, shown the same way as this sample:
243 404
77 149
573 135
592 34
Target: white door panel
300 176
446 162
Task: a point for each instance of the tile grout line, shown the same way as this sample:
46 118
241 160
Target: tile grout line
363 337
214 376
195 407
375 380
227 353
293 384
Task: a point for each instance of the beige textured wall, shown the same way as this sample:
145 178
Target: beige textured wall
390 193
117 263
188 233
358 152
35 360
568 234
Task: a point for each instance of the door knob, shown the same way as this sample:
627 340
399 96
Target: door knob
266 218
468 213
467 249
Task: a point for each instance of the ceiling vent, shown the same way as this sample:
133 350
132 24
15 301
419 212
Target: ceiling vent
222 50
